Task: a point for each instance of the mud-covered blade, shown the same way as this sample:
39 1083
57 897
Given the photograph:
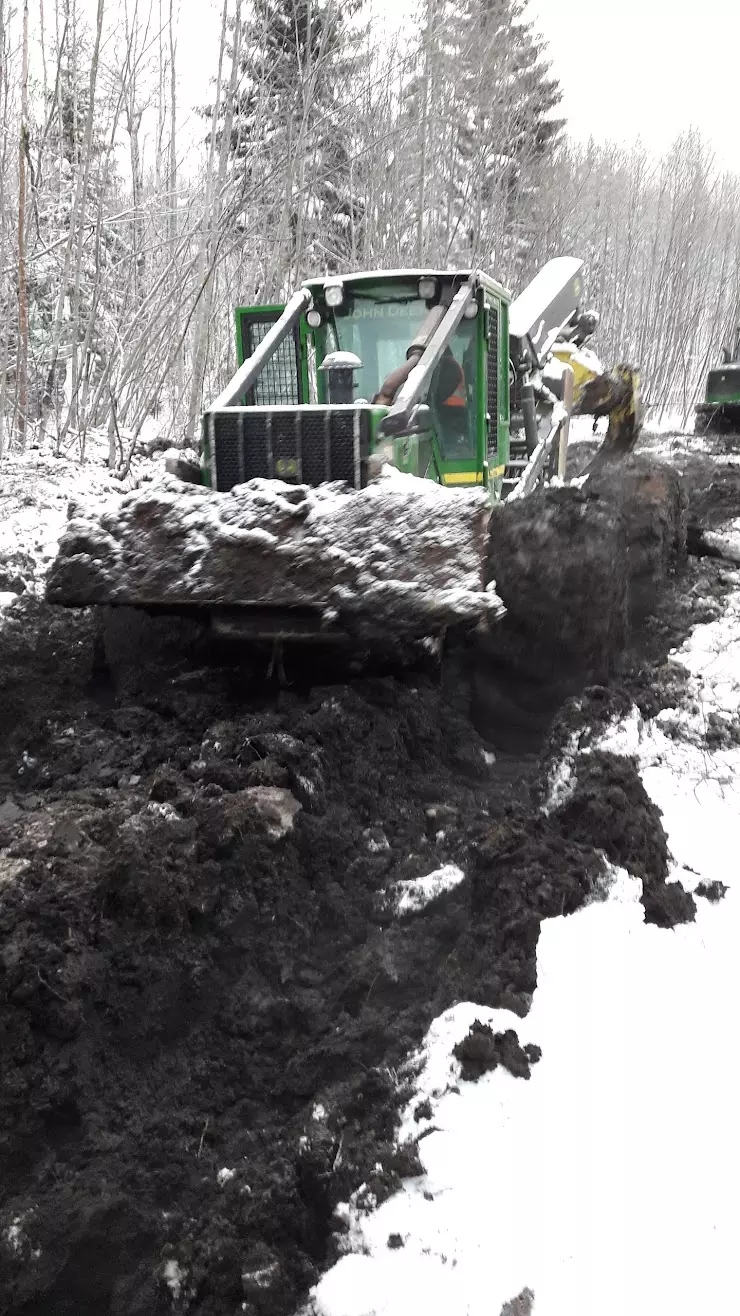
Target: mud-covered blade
403 555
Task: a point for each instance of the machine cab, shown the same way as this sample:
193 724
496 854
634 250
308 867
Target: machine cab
381 318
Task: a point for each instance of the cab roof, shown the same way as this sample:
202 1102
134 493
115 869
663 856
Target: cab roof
385 276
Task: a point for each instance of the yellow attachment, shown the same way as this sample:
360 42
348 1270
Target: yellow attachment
578 362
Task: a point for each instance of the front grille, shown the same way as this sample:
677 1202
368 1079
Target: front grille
492 400
299 445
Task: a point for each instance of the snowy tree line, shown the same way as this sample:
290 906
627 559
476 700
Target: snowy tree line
127 234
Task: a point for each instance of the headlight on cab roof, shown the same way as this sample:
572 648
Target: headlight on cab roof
334 293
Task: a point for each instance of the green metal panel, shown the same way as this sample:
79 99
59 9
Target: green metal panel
205 457
504 400
303 341
481 321
495 381
723 385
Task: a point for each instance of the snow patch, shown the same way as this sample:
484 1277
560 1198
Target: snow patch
561 779
607 1183
417 892
174 1277
17 1240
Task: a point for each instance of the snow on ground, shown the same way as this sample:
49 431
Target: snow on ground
671 421
607 1184
36 489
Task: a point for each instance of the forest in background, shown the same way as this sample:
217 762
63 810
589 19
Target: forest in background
130 229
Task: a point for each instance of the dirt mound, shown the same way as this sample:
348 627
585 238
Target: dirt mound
652 502
559 562
578 569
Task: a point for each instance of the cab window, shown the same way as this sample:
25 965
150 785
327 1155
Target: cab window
453 396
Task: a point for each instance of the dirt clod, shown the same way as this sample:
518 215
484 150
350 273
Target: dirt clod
483 1049
669 904
713 891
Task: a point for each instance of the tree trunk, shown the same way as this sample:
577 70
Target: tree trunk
214 191
22 366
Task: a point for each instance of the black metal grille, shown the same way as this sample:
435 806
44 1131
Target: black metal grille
297 445
492 403
279 381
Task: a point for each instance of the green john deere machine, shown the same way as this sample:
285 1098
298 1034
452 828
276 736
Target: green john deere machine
438 373
348 472
720 411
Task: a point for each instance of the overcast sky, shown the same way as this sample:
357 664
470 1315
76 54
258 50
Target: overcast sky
647 68
628 68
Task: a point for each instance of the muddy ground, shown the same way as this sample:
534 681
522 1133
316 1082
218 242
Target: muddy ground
206 994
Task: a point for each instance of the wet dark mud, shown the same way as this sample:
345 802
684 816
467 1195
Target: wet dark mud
206 993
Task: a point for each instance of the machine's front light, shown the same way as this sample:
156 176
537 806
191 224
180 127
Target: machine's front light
334 293
314 319
427 288
471 311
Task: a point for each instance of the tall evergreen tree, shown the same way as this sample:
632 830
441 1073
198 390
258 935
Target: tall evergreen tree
483 99
291 147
